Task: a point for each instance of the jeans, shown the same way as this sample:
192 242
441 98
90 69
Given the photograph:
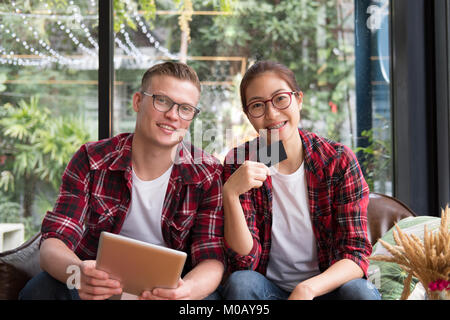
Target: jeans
252 285
44 287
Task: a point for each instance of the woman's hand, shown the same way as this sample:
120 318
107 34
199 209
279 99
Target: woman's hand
302 292
96 284
249 175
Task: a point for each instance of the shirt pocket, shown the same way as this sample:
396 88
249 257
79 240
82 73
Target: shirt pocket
183 219
102 214
181 225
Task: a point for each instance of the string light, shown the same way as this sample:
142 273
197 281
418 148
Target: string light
46 16
86 31
152 39
75 40
147 33
43 59
28 46
123 47
134 51
56 57
12 59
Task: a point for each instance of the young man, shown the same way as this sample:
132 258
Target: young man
150 186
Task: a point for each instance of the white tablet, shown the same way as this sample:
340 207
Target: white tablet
139 265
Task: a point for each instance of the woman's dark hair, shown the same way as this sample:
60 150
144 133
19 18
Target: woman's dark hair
261 67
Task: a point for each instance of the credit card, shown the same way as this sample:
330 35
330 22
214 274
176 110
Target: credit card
272 154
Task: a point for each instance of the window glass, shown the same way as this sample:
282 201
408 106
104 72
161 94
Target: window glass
374 131
221 39
48 101
49 71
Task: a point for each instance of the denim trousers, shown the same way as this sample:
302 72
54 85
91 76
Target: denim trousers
252 285
44 287
241 285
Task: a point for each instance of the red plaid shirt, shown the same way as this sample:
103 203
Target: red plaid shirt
96 193
338 199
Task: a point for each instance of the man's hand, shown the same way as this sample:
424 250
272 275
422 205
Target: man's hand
96 284
181 292
196 284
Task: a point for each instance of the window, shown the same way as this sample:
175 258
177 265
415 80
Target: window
374 130
48 100
339 51
346 84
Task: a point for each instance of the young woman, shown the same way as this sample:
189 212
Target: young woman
299 229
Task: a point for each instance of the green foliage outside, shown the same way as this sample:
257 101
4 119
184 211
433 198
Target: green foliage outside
307 36
35 151
376 159
10 212
43 120
38 137
310 37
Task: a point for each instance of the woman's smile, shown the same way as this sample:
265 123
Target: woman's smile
277 126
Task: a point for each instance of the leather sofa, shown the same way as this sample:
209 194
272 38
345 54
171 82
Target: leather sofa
17 266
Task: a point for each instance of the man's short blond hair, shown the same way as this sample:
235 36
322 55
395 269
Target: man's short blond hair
173 69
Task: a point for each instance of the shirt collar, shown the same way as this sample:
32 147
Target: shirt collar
317 155
318 152
123 160
188 161
184 169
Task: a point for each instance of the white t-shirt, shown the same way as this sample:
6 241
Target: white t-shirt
293 251
143 220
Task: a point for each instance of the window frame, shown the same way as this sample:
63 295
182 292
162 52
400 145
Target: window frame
105 69
420 104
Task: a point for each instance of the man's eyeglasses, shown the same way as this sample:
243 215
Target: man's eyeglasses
163 104
279 101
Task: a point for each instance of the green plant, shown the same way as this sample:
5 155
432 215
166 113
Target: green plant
122 11
307 36
57 145
376 157
10 212
37 147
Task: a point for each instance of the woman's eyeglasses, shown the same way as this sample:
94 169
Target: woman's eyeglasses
279 101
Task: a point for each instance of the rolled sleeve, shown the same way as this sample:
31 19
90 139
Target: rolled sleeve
244 262
62 228
350 208
66 220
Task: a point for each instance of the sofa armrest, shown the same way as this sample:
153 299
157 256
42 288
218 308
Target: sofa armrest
17 266
383 212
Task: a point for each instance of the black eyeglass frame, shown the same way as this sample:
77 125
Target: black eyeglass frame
290 93
197 111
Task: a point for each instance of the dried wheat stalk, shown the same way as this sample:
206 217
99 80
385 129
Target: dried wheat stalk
428 261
